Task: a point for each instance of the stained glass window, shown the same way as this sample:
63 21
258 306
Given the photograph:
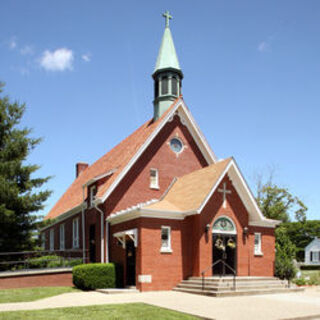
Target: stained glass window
223 225
176 145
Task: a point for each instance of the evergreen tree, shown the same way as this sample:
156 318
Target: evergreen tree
285 253
20 197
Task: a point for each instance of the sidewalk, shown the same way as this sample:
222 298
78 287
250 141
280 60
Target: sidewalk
264 307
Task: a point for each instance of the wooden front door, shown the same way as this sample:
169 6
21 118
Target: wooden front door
224 251
130 263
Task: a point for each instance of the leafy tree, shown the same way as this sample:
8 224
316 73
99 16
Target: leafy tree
278 203
301 234
20 197
285 253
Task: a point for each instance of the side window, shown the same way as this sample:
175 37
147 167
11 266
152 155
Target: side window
51 245
93 192
43 240
165 239
257 244
75 233
154 179
62 236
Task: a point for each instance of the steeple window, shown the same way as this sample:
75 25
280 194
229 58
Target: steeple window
174 86
164 85
156 89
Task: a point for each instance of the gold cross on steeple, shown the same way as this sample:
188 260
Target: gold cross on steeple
168 17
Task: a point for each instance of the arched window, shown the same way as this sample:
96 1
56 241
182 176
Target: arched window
224 225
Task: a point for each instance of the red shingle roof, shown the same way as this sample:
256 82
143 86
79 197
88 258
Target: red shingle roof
117 158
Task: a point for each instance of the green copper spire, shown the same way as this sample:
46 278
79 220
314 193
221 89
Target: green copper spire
167 57
167 74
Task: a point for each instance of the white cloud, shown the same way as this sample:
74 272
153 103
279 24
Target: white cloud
59 60
263 46
13 43
86 57
27 50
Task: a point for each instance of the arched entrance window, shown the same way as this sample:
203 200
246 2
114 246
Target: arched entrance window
224 246
224 225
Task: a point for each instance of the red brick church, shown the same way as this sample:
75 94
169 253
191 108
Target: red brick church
161 204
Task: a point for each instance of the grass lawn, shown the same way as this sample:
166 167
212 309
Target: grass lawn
116 311
31 294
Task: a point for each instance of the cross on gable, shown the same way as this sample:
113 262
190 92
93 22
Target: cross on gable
168 17
225 192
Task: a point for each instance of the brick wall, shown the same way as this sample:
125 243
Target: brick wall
192 246
40 280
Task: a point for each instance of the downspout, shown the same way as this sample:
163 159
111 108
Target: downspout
83 230
102 231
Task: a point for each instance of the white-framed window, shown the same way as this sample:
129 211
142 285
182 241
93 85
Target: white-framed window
165 239
43 240
154 179
257 244
93 191
51 244
62 236
75 233
314 256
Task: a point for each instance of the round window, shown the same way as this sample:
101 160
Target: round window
176 145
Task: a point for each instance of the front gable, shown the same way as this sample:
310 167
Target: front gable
177 109
135 186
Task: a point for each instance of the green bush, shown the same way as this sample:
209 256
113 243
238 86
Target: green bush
43 262
310 267
300 282
94 276
73 262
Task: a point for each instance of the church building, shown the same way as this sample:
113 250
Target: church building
161 204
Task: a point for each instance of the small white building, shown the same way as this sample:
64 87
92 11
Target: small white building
312 252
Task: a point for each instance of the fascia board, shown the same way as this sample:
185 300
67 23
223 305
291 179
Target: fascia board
65 216
198 135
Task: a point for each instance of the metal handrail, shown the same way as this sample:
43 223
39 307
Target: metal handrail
212 265
66 255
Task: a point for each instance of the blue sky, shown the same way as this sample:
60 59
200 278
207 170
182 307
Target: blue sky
251 69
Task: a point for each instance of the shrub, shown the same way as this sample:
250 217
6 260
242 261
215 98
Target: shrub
300 282
310 267
285 252
73 262
94 276
43 262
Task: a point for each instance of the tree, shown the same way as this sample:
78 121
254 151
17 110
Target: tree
301 234
285 253
20 197
278 203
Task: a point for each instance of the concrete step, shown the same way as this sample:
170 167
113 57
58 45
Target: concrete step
228 288
238 292
230 283
118 291
230 278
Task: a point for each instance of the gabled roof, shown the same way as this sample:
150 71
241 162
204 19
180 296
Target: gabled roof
116 159
189 191
114 165
315 243
189 194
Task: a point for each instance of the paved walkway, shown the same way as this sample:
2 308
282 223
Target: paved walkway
276 306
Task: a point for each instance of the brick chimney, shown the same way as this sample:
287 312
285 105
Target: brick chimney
80 166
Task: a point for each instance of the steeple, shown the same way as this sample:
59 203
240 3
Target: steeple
167 74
